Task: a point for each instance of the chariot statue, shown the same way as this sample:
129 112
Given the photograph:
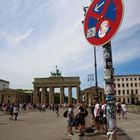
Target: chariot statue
57 73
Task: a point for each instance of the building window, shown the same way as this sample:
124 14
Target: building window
127 92
137 99
130 79
123 92
135 79
118 85
128 100
124 100
118 79
115 92
126 79
122 85
131 84
132 92
127 85
135 84
136 91
122 79
119 92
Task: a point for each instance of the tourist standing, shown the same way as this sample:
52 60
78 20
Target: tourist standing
124 109
97 116
70 117
92 114
103 119
15 112
57 110
118 106
11 107
81 118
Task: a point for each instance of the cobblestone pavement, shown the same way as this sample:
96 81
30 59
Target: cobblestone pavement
46 126
131 126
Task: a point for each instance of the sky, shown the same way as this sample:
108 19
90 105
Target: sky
37 35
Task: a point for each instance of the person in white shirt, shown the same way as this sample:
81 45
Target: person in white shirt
124 109
15 112
97 115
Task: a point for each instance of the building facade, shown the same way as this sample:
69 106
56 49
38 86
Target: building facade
4 84
89 94
127 88
15 96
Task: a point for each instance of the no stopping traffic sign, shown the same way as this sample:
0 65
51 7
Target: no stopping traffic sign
102 21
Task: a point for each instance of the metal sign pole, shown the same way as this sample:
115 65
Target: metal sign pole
109 91
96 80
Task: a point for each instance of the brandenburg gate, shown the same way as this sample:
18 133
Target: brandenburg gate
41 86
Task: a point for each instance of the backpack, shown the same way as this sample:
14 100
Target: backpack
119 106
103 112
65 113
92 110
86 113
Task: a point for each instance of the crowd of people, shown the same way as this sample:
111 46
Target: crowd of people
76 118
75 115
97 111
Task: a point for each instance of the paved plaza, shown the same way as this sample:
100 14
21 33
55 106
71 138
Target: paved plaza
46 126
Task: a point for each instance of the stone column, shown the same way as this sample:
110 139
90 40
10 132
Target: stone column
89 99
78 94
69 95
0 98
61 95
35 98
51 95
86 98
43 95
37 95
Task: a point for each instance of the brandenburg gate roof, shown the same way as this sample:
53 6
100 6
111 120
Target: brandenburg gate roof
57 81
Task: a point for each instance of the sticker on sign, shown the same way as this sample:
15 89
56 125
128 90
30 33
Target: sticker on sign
91 32
104 27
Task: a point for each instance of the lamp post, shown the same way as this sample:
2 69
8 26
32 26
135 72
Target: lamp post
90 78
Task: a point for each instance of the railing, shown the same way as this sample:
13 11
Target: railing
133 108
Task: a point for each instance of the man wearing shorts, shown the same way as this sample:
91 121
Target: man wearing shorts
97 116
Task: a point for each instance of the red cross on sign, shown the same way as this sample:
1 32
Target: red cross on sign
102 21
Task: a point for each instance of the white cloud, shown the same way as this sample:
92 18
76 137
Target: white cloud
14 39
21 37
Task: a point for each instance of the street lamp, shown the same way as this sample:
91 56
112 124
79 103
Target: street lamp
90 78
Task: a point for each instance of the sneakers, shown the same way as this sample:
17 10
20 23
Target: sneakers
71 134
96 132
82 134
